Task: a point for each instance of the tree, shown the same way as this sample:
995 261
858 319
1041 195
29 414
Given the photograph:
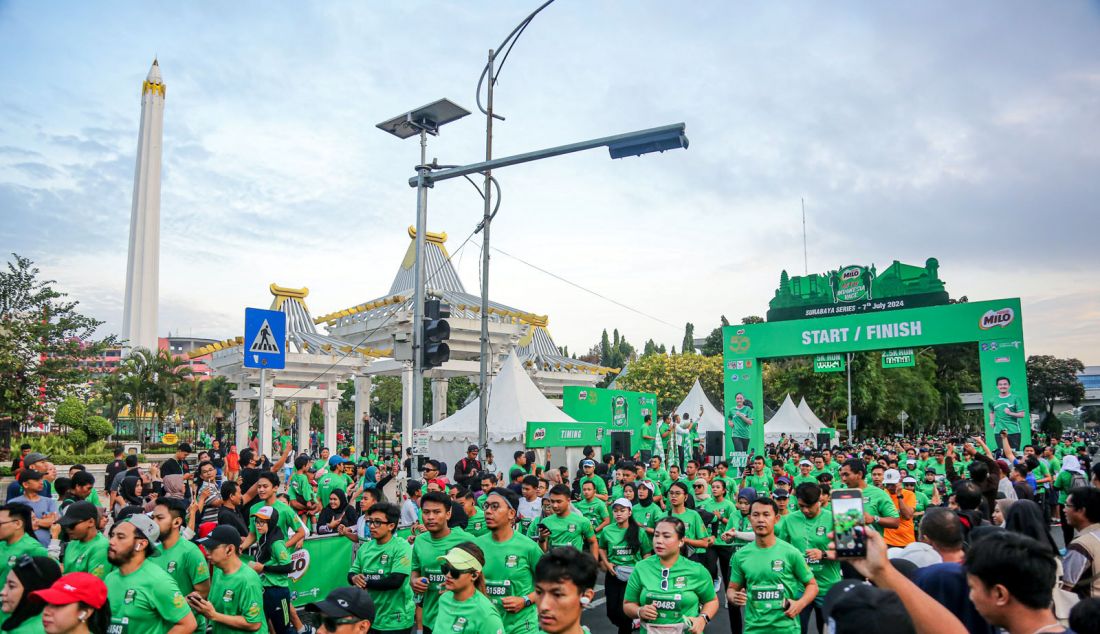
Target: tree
688 345
44 341
1050 379
752 319
1051 425
671 377
713 345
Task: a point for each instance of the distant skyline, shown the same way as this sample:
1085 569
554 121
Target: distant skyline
969 133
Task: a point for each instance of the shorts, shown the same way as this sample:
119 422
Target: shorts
277 609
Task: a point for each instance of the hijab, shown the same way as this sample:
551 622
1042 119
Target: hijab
1071 463
554 476
173 486
128 491
370 477
1027 518
274 534
344 512
638 495
38 576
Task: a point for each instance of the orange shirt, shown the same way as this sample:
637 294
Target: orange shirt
903 535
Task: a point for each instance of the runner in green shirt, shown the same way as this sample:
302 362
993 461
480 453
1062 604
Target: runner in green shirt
16 539
808 531
589 469
645 511
463 608
429 547
805 468
760 480
564 527
878 509
334 479
670 589
622 545
321 464
510 560
696 534
593 509
87 549
768 575
236 596
273 564
180 558
383 566
144 598
475 524
267 488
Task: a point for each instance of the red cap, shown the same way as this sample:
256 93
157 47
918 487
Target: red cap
73 587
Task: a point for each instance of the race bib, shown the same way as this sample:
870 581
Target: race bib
767 597
118 625
497 589
667 604
436 578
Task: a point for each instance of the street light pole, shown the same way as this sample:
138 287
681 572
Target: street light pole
483 384
418 298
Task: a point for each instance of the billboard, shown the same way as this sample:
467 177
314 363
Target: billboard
620 410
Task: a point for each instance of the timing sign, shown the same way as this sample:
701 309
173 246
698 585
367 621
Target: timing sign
901 358
829 363
264 339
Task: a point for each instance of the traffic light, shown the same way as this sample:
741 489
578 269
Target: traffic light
434 351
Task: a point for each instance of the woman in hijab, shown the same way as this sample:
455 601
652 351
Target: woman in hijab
1063 482
1026 517
272 563
337 513
131 493
27 575
174 486
1000 512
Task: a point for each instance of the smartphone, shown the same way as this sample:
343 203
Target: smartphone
848 522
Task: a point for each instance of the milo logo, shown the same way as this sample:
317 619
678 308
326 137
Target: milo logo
852 286
299 563
777 565
540 434
994 318
582 395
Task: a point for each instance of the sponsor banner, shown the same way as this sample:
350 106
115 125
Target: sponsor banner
558 434
618 410
312 566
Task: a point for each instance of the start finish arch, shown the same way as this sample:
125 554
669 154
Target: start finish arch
996 326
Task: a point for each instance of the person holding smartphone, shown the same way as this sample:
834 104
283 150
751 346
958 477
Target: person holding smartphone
767 575
236 598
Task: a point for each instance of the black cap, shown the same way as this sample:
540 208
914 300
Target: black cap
854 607
29 474
344 602
78 512
223 534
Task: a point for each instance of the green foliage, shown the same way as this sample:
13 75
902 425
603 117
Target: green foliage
752 319
1050 379
671 377
43 344
688 344
651 347
98 428
712 347
70 413
158 384
1051 425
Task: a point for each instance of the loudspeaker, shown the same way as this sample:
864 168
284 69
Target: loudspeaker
715 444
620 443
822 441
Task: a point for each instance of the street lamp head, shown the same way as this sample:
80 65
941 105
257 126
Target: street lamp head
669 137
427 118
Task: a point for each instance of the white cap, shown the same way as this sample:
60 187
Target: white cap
806 462
892 476
623 502
909 480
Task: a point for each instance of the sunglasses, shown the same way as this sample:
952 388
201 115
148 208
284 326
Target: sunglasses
331 623
664 578
452 572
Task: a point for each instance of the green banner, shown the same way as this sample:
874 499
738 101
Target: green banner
559 434
619 410
830 363
900 358
996 326
312 567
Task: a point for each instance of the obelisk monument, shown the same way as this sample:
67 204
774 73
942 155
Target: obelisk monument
139 317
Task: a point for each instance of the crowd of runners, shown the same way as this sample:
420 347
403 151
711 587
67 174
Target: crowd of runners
939 534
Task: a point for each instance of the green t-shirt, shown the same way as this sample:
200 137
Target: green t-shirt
329 483
280 556
476 525
799 479
658 477
32 625
1063 483
676 595
9 554
288 519
646 516
724 512
804 534
612 540
425 554
146 601
769 576
475 615
90 557
187 566
1000 406
238 594
597 481
572 530
394 609
878 502
301 489
760 483
693 524
595 511
510 572
740 427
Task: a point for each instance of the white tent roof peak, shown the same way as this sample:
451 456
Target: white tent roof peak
808 414
514 399
711 419
788 421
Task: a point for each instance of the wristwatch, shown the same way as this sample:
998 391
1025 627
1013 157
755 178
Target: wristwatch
876 518
527 602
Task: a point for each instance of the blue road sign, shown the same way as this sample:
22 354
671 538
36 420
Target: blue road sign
264 339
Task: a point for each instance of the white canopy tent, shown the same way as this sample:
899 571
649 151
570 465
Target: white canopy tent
711 419
789 421
811 418
513 401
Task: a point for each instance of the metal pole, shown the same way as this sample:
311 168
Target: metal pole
263 435
418 292
483 385
849 366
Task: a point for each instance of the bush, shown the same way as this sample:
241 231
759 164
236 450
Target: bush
70 413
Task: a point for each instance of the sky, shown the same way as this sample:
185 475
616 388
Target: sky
967 132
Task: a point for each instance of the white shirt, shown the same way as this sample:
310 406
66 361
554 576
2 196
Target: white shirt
532 509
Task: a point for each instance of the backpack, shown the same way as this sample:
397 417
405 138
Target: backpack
1077 480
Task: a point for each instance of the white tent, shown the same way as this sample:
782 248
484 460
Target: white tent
809 416
711 419
513 401
788 421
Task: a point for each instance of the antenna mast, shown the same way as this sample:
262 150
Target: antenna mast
805 256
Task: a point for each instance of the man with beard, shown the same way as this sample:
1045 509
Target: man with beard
87 549
180 558
144 599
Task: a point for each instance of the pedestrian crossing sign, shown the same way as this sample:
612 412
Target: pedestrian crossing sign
265 338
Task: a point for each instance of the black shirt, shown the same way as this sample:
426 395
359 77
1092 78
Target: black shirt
113 469
174 466
232 518
216 458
